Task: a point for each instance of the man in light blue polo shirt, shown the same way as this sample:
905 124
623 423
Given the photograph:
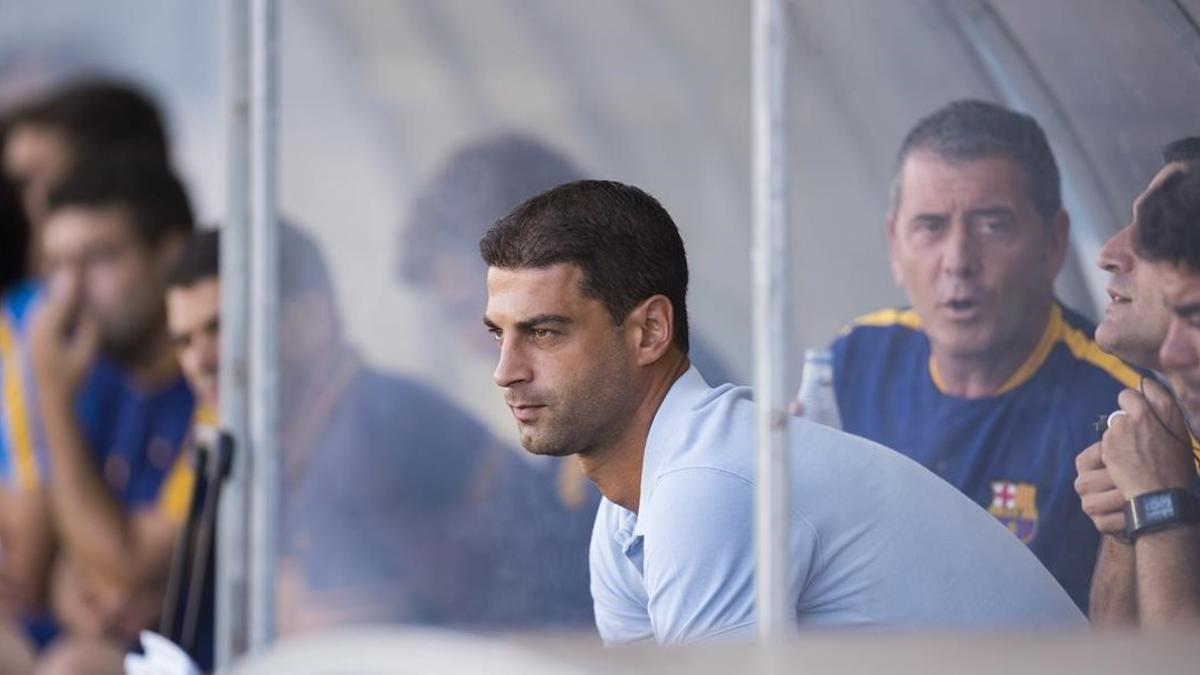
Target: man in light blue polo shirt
586 297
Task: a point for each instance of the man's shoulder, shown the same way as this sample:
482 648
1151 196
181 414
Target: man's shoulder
715 433
879 355
879 332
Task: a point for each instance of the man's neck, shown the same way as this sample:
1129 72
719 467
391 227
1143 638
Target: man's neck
980 376
616 467
155 364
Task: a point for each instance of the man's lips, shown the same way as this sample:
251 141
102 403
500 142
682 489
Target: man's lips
525 412
962 308
1117 298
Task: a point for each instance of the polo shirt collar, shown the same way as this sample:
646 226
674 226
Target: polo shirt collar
686 394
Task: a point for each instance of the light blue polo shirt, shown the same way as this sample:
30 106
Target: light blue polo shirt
877 539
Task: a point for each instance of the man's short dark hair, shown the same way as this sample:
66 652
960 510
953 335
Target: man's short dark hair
1185 149
148 191
199 260
100 116
622 239
970 129
1169 228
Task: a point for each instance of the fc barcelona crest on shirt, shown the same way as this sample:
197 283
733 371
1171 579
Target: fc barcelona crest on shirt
1015 505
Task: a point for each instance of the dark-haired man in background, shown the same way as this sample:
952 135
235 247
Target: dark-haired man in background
115 408
1146 451
1133 327
40 143
75 123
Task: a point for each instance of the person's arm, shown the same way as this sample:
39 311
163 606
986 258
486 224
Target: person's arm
1168 565
1146 450
120 552
1113 599
26 534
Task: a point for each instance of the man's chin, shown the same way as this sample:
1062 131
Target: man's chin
543 448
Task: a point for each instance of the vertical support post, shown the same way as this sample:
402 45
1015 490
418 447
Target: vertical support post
772 527
230 628
264 323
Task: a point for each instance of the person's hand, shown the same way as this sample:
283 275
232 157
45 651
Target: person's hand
64 340
73 605
1101 500
1145 449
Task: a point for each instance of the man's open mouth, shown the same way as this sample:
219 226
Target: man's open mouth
1117 298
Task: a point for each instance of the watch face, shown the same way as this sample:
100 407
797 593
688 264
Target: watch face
1158 507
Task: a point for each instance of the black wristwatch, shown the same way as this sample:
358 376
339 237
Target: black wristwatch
1159 510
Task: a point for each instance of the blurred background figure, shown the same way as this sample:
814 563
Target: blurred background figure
544 519
87 544
398 505
115 409
79 121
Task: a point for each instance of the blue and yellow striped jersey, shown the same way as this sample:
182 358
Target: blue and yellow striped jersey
22 446
135 436
1013 452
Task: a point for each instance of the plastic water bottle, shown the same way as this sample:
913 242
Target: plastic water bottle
817 400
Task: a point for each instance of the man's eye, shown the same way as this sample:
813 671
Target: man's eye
996 226
541 333
496 335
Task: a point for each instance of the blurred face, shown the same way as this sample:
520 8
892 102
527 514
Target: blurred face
121 280
974 256
566 370
1180 352
1135 319
193 319
36 158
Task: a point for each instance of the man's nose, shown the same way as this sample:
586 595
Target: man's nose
513 366
1116 256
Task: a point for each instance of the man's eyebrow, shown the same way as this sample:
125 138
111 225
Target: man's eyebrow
991 211
533 321
542 319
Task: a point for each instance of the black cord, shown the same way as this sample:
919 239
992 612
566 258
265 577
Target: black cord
1171 432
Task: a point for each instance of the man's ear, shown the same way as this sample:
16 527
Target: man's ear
652 327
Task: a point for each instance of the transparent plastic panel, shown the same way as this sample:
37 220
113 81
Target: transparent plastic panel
407 130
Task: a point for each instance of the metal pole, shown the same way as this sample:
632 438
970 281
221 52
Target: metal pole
230 629
264 295
776 611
